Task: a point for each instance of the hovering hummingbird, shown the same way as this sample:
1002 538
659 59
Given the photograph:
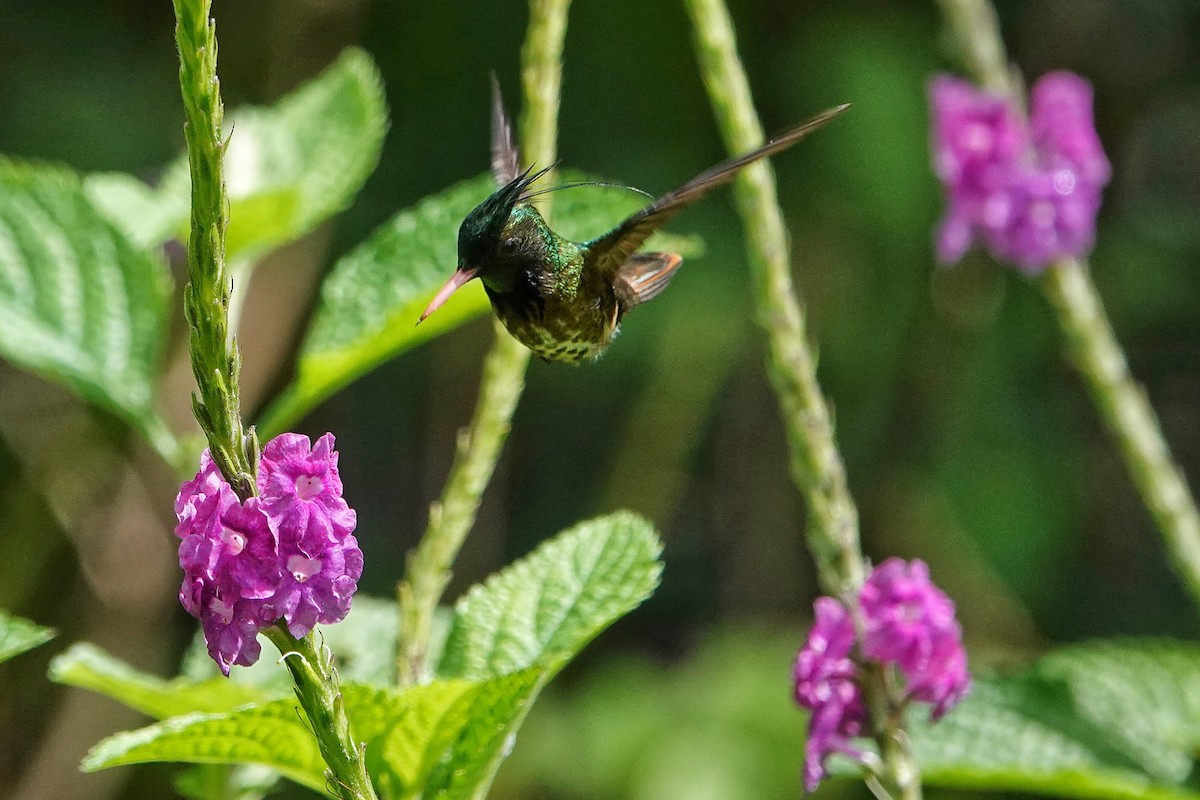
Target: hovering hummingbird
564 300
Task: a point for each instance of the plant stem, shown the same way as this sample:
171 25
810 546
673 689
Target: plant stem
976 32
816 464
317 690
215 362
1093 349
1090 342
502 380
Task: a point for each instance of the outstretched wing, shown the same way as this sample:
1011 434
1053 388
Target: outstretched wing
643 276
613 249
504 154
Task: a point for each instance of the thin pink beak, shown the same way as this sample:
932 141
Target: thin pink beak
459 277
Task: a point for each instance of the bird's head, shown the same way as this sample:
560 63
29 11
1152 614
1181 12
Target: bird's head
481 238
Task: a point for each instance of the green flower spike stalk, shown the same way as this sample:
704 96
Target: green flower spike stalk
503 378
215 362
215 359
817 465
1090 343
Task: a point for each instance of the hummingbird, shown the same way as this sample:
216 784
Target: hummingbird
564 300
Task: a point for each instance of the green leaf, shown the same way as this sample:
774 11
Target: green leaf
79 302
444 739
89 667
438 740
372 298
147 217
299 162
365 643
288 167
1105 719
225 782
484 737
269 735
546 607
18 635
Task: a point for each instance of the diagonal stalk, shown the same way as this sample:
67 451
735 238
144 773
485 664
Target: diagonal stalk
215 358
502 380
816 464
216 363
1090 343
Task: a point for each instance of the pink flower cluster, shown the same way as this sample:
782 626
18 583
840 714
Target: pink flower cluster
1029 192
288 553
908 624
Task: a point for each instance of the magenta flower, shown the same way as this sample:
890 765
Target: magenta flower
943 680
230 569
316 588
826 682
908 625
302 492
903 613
1031 193
288 555
202 499
1063 127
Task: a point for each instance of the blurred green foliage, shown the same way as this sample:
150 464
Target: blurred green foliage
969 441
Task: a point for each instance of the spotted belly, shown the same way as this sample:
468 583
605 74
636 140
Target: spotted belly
565 338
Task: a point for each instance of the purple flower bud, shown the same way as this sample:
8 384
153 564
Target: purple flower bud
911 623
316 588
302 492
1063 126
944 681
1048 214
202 499
825 681
229 563
286 554
976 136
1029 196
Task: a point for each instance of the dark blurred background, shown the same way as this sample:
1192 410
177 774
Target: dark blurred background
968 439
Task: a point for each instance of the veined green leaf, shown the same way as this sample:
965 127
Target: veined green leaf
147 217
295 164
1059 728
1116 719
427 741
270 735
372 298
544 608
79 302
444 739
288 167
89 667
365 644
18 635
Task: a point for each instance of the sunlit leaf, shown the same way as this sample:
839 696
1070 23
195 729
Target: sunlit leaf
18 635
288 166
1106 719
365 644
438 740
270 735
370 303
293 165
546 607
147 217
79 302
89 667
